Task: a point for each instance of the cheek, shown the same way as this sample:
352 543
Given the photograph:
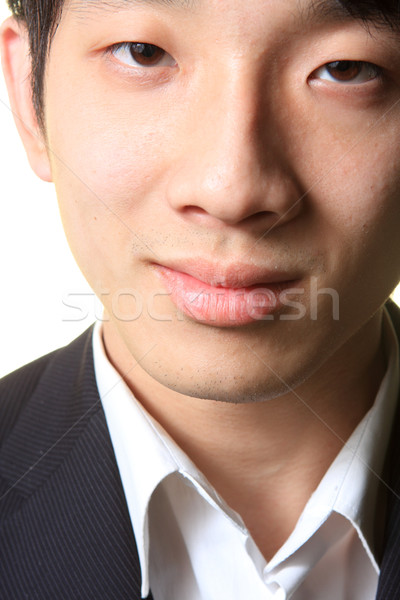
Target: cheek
108 170
111 139
352 177
106 161
360 218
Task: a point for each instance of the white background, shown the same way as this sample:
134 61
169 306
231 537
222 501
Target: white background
37 271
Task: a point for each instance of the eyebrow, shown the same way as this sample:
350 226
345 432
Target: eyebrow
361 10
316 11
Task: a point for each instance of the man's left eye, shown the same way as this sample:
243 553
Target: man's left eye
347 71
138 54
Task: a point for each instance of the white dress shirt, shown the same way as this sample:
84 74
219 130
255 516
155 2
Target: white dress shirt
192 546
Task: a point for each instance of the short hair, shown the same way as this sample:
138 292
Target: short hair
41 18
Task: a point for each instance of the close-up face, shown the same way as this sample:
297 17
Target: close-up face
218 161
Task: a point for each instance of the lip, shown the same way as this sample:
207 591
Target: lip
225 296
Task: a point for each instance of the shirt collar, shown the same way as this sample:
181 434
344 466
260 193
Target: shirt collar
350 487
146 453
366 449
140 452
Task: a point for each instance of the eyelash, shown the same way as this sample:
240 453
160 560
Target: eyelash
365 71
144 49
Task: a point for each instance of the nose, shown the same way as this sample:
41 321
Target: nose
232 167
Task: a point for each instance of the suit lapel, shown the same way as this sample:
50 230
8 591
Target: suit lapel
66 531
65 528
389 580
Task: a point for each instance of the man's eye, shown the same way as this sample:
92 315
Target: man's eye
348 71
141 54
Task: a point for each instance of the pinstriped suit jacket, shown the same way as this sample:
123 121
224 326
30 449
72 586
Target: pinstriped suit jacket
65 532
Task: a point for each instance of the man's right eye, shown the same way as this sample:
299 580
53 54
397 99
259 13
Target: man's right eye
139 54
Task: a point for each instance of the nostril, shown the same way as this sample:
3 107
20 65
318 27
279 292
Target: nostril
192 209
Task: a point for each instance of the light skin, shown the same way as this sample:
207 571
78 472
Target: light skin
236 146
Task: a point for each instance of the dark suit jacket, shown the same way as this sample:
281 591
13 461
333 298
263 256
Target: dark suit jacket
65 532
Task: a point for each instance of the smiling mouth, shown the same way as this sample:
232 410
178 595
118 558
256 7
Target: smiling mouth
235 297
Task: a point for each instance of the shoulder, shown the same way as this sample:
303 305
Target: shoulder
16 388
53 369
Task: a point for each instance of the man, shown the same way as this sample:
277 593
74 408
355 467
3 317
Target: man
228 179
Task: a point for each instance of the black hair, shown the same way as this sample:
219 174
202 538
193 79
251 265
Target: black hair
386 11
42 17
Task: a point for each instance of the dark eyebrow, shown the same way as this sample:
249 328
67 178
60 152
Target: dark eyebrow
380 13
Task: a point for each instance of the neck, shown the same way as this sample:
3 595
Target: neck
259 452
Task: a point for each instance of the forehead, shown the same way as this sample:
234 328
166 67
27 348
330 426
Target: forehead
328 9
127 4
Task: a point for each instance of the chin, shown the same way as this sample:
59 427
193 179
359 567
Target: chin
225 386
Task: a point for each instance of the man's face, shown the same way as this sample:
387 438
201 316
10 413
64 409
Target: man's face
200 182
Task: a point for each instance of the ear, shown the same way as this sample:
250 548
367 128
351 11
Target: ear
14 47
